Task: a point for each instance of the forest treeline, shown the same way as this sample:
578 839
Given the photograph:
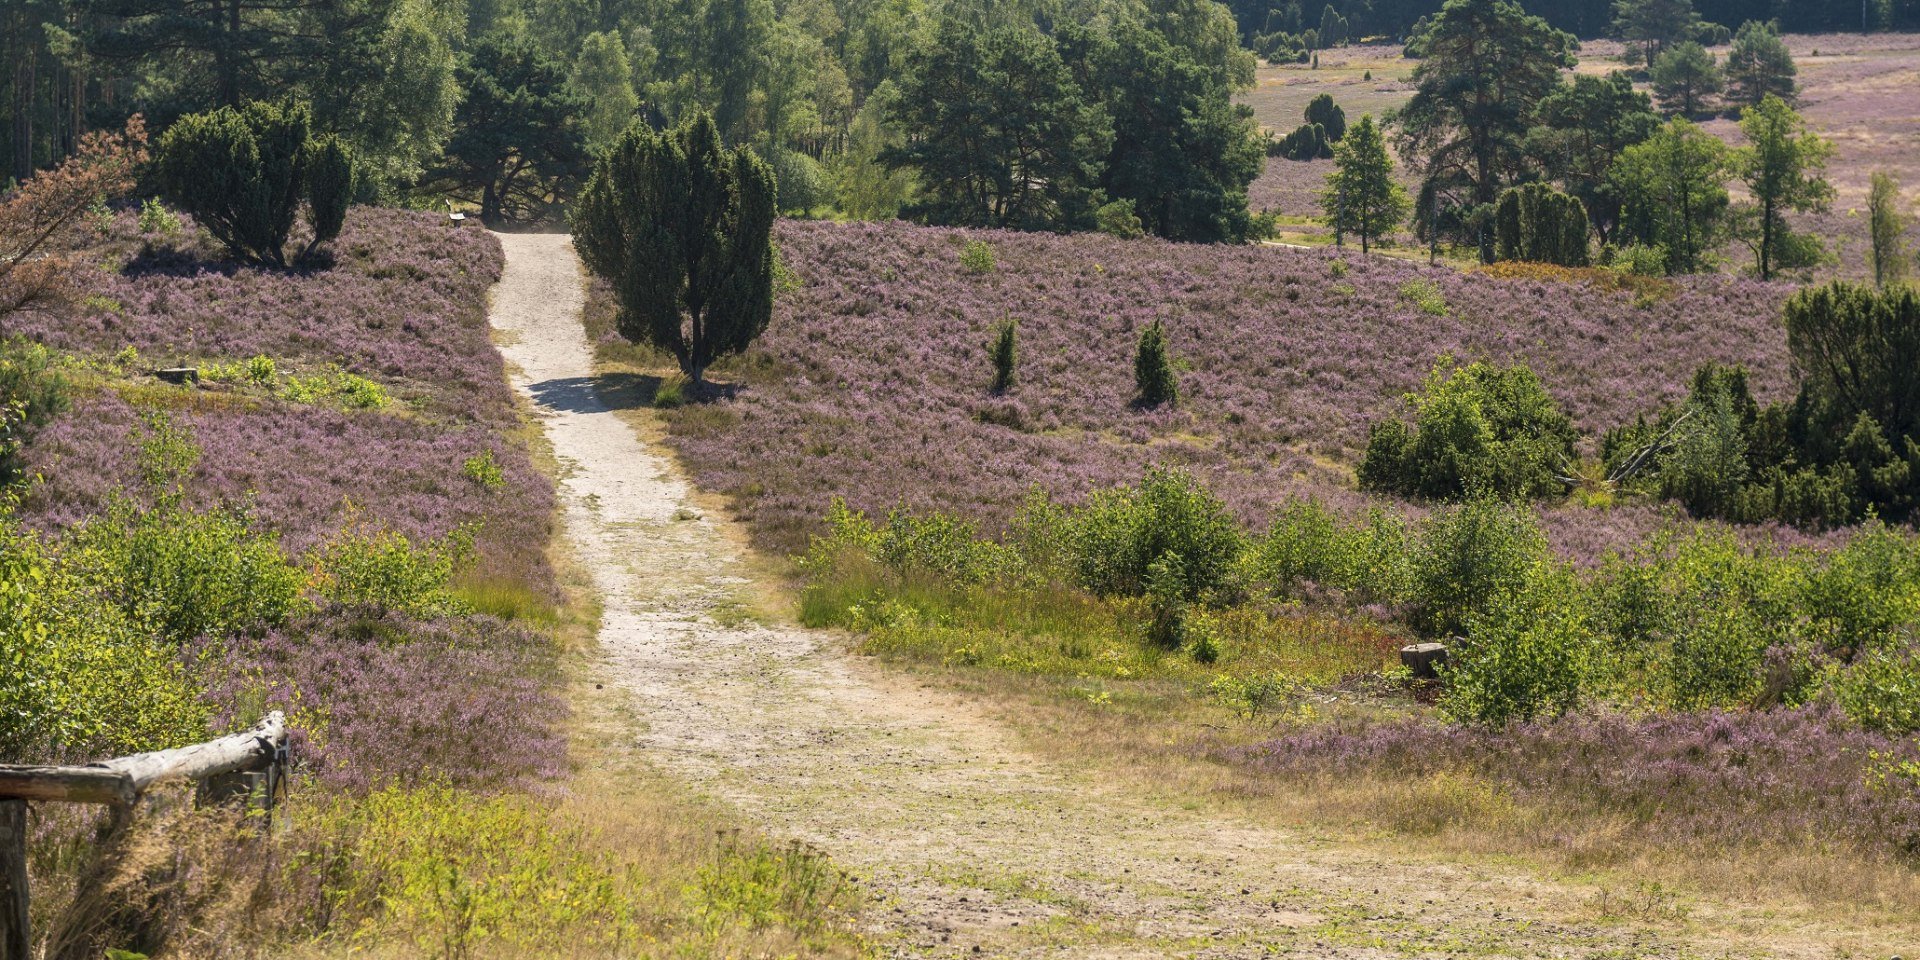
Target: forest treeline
1587 19
1036 114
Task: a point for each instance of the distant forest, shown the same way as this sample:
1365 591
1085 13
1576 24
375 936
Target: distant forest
425 91
1586 19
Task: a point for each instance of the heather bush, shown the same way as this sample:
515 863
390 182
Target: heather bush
1476 429
32 393
1154 382
1711 780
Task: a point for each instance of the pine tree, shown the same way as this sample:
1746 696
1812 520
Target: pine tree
683 229
1656 24
1783 166
1153 378
1685 76
1487 66
1758 65
1362 197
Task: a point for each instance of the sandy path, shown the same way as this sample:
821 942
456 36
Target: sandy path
973 845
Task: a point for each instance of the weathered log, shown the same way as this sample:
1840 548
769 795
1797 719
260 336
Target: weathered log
67 784
251 750
1424 659
117 782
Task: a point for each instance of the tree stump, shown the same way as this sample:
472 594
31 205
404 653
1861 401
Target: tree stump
1424 659
179 374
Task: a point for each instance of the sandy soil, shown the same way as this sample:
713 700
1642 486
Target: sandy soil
969 845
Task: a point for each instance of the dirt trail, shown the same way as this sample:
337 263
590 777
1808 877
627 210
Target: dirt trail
973 846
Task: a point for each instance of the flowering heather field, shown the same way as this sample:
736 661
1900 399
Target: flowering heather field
1712 779
871 383
403 303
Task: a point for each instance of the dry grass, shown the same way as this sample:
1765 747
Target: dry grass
1162 738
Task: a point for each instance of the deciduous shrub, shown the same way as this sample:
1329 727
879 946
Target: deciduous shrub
1469 556
1117 218
244 171
1119 535
977 257
1476 429
32 393
1526 655
78 678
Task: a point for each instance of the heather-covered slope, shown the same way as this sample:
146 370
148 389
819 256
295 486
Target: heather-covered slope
872 382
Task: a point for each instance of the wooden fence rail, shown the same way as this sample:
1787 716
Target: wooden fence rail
117 783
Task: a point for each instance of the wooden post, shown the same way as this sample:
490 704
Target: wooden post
13 880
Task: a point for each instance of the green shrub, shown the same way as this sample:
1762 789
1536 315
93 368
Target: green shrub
1425 296
78 678
330 186
801 185
1305 545
156 218
1117 218
243 172
1119 534
349 390
1477 430
1881 690
381 570
1640 260
484 470
32 393
1715 658
1706 462
1526 654
1307 142
977 257
1004 354
1468 556
1154 382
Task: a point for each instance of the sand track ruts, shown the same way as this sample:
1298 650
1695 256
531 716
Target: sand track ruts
966 839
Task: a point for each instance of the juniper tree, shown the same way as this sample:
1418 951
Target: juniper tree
1153 378
244 172
1323 111
683 229
1004 353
